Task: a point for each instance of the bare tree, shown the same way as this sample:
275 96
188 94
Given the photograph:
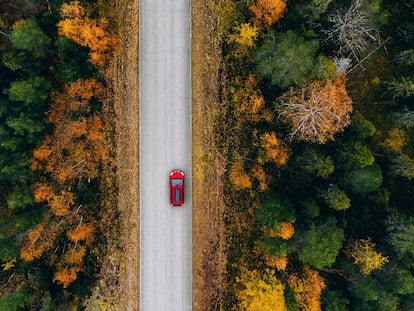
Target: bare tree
405 117
316 111
352 29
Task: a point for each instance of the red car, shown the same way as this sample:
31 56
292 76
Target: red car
177 188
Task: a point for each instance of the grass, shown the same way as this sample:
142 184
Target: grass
209 258
118 286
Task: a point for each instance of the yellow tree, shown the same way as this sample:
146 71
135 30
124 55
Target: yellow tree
245 35
365 256
317 111
267 12
395 140
307 288
260 291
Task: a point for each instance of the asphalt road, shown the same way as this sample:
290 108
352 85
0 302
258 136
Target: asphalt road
165 145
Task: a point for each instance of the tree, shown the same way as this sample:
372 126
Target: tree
314 162
285 58
401 235
275 210
267 12
66 276
260 291
363 180
83 232
334 300
403 88
365 256
285 231
316 112
87 32
31 91
248 101
37 241
395 140
355 154
319 245
360 127
334 198
353 29
274 149
28 36
308 287
238 176
245 35
403 165
405 118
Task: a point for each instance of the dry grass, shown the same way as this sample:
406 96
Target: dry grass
209 258
118 286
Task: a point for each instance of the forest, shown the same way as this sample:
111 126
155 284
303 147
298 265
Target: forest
318 132
52 145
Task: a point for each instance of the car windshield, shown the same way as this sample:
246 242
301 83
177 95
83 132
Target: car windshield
177 182
177 195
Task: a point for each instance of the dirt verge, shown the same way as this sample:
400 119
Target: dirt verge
209 258
118 286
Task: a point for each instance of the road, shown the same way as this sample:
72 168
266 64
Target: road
165 144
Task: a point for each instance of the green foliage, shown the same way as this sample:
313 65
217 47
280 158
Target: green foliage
311 209
274 246
334 300
334 198
324 68
74 64
364 179
33 90
401 88
20 198
399 280
360 127
275 210
355 154
15 301
314 162
320 244
285 58
401 235
364 288
403 165
29 37
8 250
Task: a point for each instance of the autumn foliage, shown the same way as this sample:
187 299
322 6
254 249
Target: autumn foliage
307 288
365 256
76 148
285 231
65 276
239 177
260 291
267 12
88 32
275 150
37 241
317 111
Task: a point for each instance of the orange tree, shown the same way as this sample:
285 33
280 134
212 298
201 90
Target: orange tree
317 110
